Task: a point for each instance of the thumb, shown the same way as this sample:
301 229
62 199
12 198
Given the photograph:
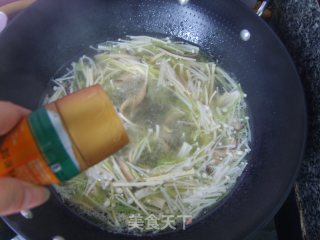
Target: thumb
11 114
16 195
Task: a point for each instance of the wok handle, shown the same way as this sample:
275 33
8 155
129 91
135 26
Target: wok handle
16 6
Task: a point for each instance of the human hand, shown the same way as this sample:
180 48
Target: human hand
16 195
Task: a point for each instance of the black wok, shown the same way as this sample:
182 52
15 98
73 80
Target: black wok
52 32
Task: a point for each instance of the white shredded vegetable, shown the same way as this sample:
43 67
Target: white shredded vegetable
187 124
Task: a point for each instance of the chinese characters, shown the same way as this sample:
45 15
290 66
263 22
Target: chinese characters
154 223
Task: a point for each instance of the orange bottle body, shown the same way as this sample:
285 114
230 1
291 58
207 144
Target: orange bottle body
58 141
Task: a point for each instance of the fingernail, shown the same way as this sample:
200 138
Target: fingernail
35 196
46 194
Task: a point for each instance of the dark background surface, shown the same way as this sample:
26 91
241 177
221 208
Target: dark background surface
298 24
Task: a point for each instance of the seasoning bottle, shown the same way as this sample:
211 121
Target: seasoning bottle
58 141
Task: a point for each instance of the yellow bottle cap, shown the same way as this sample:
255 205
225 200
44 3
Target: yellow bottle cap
92 123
